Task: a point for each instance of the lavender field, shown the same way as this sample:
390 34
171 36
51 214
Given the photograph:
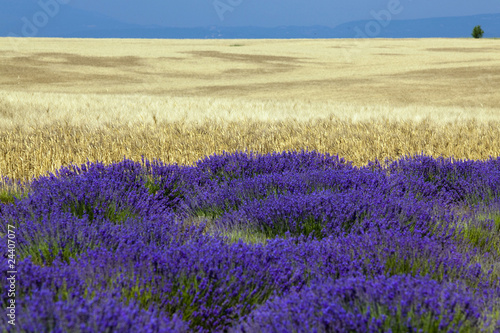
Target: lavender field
241 242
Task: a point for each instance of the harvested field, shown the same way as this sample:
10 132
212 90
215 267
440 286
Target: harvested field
433 72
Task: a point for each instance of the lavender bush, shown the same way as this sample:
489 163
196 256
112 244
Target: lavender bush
287 242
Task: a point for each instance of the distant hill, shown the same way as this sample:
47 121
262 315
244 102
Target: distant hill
17 17
450 27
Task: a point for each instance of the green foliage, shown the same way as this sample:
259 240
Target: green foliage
8 193
43 252
483 233
152 184
62 293
477 32
113 212
141 294
415 265
210 213
118 215
246 234
280 228
7 197
425 323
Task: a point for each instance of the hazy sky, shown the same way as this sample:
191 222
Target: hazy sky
269 13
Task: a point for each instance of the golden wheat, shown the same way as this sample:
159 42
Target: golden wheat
27 153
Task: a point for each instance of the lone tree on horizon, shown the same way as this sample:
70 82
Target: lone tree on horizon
477 32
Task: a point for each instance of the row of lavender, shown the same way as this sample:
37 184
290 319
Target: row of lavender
404 246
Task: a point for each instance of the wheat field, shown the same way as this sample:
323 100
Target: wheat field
65 101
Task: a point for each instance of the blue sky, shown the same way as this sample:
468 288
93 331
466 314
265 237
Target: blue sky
270 13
